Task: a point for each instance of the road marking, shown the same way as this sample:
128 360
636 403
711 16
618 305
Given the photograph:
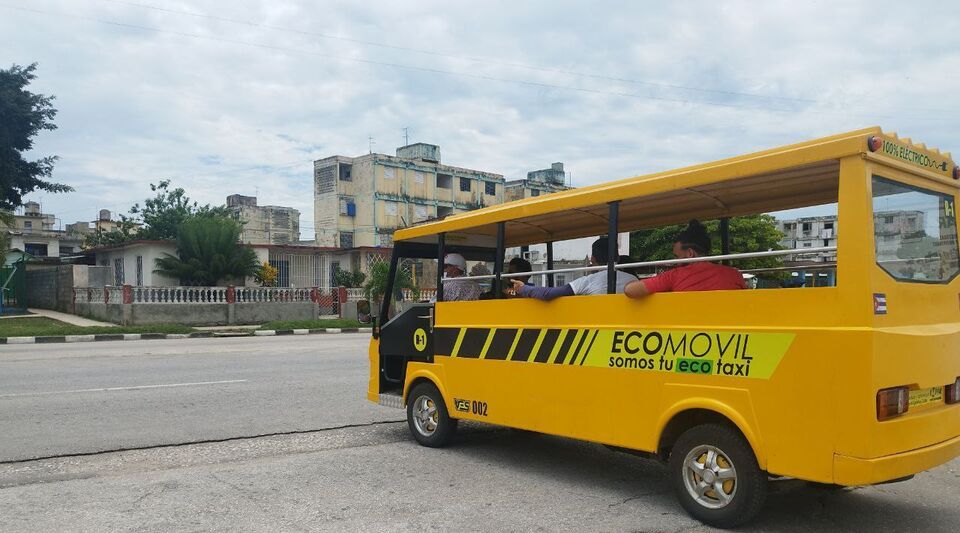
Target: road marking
137 387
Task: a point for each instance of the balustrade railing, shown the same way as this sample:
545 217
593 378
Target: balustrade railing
179 295
275 294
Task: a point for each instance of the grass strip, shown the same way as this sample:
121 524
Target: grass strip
313 324
42 327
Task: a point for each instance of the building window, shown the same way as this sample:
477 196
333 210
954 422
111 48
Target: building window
38 250
420 212
347 207
390 209
444 181
139 271
346 172
346 239
490 188
27 224
418 177
283 272
807 226
534 192
559 280
465 184
389 173
443 211
118 271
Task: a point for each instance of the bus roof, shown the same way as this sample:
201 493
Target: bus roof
796 175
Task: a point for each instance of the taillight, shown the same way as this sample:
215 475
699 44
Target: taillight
951 393
892 402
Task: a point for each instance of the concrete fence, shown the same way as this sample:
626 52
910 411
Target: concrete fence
206 306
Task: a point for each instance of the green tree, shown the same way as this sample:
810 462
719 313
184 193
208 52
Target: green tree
376 285
753 233
208 251
159 218
23 115
345 278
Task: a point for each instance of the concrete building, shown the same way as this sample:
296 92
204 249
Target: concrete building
265 224
360 201
811 232
133 263
538 182
35 233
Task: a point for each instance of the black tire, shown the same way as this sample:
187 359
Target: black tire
439 421
742 499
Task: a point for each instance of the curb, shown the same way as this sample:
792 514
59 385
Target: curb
161 336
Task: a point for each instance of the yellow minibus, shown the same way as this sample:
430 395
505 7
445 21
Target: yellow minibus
851 380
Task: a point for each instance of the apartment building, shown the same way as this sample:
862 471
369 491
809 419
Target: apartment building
35 233
360 201
265 224
810 232
538 182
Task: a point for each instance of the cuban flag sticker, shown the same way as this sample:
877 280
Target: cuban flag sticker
879 303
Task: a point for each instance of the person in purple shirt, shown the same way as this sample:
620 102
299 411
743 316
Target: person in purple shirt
595 283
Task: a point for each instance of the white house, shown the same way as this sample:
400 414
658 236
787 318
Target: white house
133 263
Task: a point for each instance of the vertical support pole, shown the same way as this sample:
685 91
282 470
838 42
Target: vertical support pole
498 260
441 251
550 263
613 253
724 238
388 293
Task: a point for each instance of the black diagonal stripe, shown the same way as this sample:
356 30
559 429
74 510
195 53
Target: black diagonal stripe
444 339
576 352
565 346
524 348
501 343
473 341
549 341
585 353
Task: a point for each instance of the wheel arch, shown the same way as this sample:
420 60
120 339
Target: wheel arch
425 376
694 412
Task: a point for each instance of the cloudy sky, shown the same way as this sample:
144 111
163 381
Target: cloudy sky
240 97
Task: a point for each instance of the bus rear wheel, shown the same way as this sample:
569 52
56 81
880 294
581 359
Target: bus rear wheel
427 416
716 477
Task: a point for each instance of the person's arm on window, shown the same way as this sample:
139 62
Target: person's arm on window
642 287
544 293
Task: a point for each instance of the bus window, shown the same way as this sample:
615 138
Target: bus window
914 232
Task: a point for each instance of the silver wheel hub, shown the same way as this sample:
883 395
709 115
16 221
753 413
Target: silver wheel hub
425 416
709 476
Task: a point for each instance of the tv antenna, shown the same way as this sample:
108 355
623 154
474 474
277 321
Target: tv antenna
371 143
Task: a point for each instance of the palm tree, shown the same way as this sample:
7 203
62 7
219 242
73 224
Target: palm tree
208 251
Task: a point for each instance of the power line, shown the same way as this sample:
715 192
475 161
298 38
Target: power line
457 56
447 72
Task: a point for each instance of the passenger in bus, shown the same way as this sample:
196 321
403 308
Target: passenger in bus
700 276
455 266
595 283
517 265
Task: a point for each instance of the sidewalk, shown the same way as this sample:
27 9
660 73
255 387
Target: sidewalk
68 318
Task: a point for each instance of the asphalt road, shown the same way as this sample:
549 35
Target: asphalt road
74 398
369 476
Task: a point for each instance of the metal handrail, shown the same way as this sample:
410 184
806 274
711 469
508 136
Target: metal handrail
662 262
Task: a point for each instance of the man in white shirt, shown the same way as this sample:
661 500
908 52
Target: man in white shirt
455 266
595 283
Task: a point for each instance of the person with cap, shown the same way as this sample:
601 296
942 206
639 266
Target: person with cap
595 283
455 266
700 276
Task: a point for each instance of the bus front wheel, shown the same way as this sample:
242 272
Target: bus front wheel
427 416
716 476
